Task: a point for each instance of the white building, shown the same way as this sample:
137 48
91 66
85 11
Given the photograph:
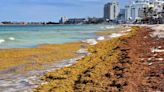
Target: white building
111 10
135 9
158 5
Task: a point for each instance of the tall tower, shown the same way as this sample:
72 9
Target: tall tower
135 9
111 10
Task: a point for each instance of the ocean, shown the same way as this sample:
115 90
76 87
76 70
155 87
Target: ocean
32 36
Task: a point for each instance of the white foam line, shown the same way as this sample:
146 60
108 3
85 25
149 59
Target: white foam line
101 38
11 38
90 41
2 40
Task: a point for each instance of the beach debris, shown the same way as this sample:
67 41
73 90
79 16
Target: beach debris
149 59
155 55
153 50
145 37
101 38
159 47
160 59
150 64
90 41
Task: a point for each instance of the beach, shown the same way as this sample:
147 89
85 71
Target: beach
22 67
19 60
130 63
128 58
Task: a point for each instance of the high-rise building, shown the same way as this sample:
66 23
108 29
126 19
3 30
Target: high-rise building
135 10
111 10
63 20
121 16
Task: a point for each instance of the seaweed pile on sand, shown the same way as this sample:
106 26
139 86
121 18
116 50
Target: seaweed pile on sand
90 73
123 64
27 59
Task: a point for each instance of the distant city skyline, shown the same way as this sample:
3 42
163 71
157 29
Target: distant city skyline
51 10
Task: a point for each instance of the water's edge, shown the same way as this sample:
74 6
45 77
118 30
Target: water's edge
26 82
32 79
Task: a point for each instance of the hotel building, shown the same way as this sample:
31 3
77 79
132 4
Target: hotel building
111 10
135 10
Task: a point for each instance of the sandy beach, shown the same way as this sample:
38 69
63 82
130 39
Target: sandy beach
130 63
119 60
23 67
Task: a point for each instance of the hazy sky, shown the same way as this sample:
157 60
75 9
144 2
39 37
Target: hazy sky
50 10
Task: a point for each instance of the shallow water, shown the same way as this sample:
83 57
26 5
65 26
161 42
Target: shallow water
32 36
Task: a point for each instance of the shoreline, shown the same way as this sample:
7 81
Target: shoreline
24 75
12 73
19 54
79 63
93 42
83 43
122 64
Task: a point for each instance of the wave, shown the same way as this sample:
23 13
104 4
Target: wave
107 27
2 41
90 41
11 38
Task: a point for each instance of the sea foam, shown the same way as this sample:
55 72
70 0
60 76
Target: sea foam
107 27
90 41
2 40
115 35
101 38
11 38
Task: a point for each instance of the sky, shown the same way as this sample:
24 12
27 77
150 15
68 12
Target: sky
50 10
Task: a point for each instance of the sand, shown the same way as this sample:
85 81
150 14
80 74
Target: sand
123 64
88 74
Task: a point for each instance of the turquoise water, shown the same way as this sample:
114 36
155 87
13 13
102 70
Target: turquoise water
32 36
